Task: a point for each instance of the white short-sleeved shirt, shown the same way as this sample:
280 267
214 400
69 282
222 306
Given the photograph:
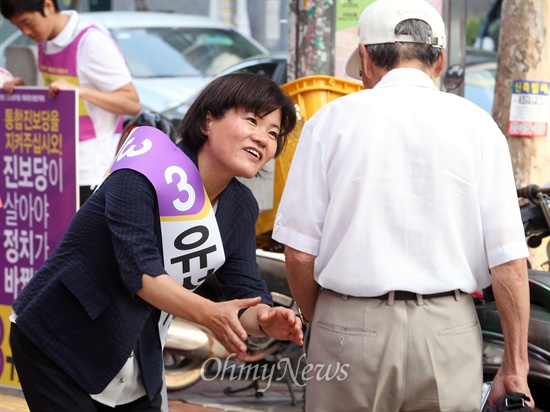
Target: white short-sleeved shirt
402 187
101 66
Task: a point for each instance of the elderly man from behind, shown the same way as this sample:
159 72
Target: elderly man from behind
400 202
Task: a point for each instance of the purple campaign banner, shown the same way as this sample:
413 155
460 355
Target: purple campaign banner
144 148
38 192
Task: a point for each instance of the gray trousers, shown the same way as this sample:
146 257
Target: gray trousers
383 356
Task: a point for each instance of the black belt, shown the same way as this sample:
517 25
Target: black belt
404 295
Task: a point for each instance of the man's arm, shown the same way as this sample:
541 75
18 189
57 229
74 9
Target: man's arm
124 100
511 290
304 288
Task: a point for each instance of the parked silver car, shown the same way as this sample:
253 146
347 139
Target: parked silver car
273 66
169 55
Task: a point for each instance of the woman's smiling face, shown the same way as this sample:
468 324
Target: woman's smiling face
241 142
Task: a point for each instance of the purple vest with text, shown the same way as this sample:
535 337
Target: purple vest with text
64 65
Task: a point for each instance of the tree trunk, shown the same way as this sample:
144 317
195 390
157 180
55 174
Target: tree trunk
523 64
523 54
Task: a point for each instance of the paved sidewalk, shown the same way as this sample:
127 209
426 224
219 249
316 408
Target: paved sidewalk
210 395
11 400
214 394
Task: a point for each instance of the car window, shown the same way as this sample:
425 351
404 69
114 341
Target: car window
149 56
481 78
264 69
488 35
182 51
212 50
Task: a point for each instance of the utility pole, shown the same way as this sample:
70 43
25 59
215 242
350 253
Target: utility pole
233 12
521 106
311 38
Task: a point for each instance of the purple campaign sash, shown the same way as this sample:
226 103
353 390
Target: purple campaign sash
191 240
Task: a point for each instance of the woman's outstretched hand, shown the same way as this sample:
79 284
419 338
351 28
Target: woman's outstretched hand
277 322
223 320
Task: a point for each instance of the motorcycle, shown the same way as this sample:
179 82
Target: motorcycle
191 350
535 212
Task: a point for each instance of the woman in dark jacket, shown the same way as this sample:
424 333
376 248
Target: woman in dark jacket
87 331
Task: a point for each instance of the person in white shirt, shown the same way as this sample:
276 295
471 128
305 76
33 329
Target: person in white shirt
73 54
5 76
399 203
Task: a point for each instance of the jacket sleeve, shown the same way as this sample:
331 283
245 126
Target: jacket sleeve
132 217
237 214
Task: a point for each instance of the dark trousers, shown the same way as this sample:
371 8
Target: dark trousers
48 389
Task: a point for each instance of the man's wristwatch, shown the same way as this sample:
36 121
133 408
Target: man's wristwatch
305 322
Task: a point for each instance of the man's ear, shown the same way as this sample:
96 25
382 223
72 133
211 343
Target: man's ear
440 64
48 7
366 61
369 71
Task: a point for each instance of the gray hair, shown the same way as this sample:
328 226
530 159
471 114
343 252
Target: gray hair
388 55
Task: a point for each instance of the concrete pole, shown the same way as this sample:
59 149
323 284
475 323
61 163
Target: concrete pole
454 16
222 10
311 38
524 66
240 17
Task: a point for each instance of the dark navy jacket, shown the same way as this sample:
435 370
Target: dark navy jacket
81 306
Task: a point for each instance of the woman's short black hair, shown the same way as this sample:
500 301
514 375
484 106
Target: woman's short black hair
252 92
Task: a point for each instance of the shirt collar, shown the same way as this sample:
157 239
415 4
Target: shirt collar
66 35
406 76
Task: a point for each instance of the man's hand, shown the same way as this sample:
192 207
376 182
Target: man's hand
57 85
504 384
281 323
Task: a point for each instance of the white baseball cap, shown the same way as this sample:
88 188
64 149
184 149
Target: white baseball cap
378 21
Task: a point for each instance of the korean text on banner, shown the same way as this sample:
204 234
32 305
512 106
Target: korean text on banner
38 193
